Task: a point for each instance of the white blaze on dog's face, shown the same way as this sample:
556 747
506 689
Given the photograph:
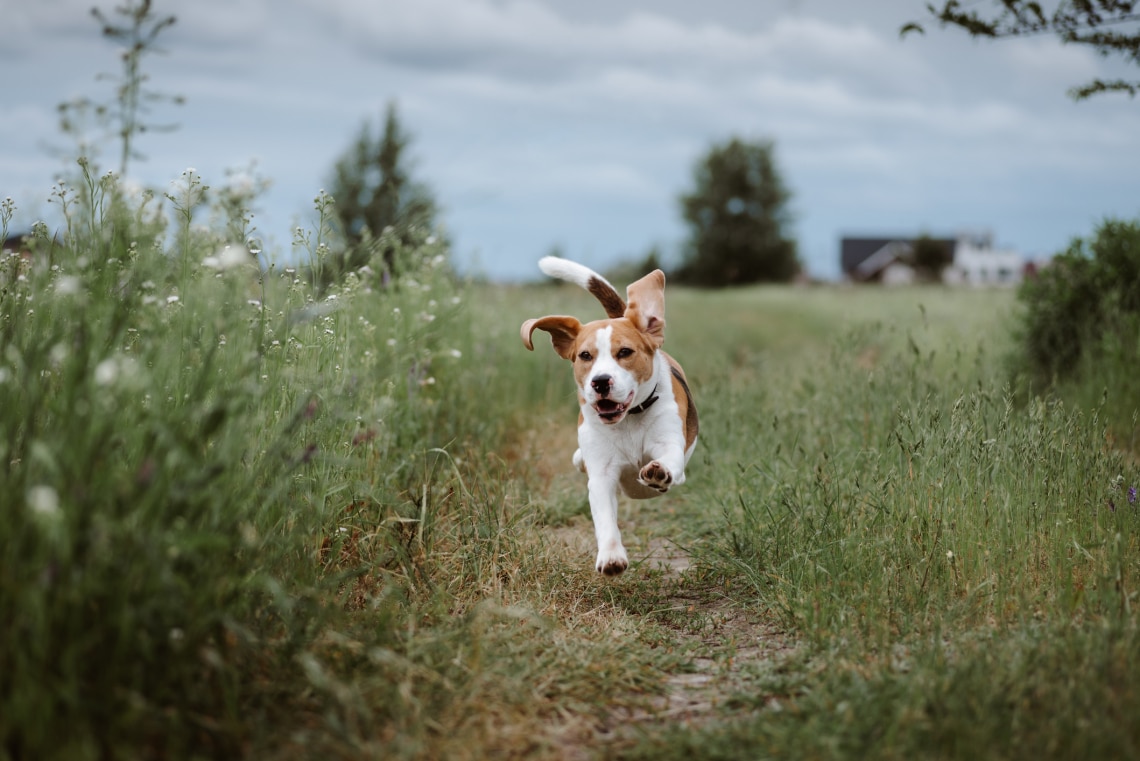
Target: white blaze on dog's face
612 360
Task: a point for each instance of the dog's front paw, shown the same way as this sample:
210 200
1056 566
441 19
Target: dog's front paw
612 562
655 476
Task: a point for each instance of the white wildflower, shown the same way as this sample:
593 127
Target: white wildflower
106 372
117 370
43 500
227 258
68 285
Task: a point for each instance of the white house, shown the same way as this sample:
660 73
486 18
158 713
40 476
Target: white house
977 262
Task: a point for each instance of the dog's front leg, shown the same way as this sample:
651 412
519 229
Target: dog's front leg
666 467
603 489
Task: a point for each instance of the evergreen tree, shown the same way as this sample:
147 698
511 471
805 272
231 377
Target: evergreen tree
375 193
739 218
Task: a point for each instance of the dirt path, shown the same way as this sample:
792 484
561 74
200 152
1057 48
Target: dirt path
731 649
728 650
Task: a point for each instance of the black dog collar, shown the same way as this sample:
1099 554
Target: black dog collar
646 404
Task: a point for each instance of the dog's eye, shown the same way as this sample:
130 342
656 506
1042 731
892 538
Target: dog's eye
624 352
585 356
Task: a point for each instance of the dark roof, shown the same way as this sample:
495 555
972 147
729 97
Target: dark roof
16 242
855 251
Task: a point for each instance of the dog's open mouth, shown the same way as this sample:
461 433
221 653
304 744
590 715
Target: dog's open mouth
609 410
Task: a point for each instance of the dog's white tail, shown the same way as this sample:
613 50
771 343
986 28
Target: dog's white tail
584 277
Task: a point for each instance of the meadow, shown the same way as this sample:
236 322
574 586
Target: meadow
247 516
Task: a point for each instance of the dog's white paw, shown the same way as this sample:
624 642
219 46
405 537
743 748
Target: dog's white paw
612 562
655 476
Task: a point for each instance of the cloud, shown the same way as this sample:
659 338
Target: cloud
537 121
529 40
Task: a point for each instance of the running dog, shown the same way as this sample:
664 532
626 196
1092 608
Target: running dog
637 425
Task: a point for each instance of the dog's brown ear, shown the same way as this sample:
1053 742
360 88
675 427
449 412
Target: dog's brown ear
646 308
563 333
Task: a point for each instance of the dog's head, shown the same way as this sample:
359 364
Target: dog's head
612 358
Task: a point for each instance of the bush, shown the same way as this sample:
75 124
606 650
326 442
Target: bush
1087 293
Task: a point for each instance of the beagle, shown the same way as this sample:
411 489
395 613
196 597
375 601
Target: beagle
637 424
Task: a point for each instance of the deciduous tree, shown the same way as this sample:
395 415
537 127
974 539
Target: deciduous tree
738 218
1109 27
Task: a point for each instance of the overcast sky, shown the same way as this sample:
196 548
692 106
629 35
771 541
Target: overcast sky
541 123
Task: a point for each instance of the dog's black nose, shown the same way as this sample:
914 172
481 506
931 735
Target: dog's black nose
602 384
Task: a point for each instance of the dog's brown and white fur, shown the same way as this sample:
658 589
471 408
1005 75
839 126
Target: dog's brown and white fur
638 425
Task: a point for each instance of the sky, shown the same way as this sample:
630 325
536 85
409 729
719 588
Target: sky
549 123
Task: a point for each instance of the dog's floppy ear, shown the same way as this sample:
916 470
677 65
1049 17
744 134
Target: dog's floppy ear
646 308
563 333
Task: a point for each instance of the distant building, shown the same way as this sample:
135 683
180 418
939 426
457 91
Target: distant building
888 261
977 262
17 243
969 259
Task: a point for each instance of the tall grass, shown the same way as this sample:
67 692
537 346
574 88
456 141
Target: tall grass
237 510
884 508
959 565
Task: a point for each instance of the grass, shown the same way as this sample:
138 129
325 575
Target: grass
251 517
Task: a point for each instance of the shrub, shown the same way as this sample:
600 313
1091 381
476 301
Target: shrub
1087 292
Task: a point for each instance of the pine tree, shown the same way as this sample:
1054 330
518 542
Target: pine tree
374 193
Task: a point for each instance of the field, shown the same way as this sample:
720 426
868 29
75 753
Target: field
248 517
